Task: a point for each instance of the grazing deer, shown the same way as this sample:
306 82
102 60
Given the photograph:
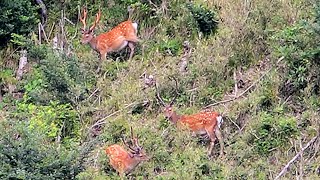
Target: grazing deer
114 40
125 161
202 123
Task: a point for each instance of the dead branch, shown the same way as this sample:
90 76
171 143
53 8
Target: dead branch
186 55
69 21
316 149
44 32
93 93
235 83
55 42
22 63
284 170
39 33
234 123
245 91
103 120
51 29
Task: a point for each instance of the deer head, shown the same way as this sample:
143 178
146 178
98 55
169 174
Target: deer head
124 161
136 151
168 111
88 34
199 123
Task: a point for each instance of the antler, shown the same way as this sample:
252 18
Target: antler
98 15
83 19
134 141
176 91
127 145
159 97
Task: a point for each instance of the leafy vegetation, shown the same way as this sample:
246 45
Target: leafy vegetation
17 18
257 63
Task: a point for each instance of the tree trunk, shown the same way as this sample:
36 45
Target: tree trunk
44 13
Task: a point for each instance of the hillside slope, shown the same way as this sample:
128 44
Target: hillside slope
254 62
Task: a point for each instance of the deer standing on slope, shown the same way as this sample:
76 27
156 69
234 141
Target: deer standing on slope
124 161
114 40
202 123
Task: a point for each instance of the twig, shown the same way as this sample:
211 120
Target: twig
235 83
284 170
39 29
44 33
53 24
301 161
93 93
102 121
316 149
69 21
245 91
234 123
287 99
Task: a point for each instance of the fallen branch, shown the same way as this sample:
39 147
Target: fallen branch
102 121
284 170
245 91
94 92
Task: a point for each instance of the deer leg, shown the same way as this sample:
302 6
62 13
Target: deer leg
220 138
210 132
131 46
121 170
103 57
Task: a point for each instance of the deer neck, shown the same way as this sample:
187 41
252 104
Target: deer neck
175 118
93 43
132 163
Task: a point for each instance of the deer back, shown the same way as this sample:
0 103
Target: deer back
200 121
117 38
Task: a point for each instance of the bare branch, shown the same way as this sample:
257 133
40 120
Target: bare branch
245 91
103 120
22 63
186 55
284 170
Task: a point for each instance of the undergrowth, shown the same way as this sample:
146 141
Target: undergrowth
68 113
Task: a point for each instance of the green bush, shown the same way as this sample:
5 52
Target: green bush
294 46
272 132
17 17
52 120
299 45
58 78
24 154
170 47
205 18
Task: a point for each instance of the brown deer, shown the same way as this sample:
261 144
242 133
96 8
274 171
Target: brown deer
124 161
202 123
114 40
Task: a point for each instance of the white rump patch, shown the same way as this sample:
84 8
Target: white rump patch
135 26
220 121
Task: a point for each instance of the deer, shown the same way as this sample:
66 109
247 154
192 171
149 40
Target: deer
203 123
124 34
124 161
